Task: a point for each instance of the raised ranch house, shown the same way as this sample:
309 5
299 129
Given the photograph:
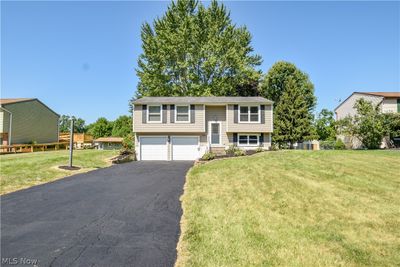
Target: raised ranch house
184 128
386 101
26 120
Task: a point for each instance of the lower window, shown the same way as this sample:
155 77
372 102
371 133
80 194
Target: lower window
248 140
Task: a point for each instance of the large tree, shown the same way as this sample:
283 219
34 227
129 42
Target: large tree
293 122
122 126
274 83
195 50
294 102
101 128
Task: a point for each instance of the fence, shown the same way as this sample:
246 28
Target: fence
26 148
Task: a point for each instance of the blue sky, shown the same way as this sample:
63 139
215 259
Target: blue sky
80 57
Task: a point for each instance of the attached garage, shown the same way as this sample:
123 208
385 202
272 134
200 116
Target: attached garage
185 147
153 148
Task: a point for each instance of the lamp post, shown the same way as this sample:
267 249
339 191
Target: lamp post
71 142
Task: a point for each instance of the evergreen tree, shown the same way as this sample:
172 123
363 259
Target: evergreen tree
274 83
195 50
293 122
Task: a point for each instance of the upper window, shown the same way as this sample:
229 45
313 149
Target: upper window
154 114
182 114
249 114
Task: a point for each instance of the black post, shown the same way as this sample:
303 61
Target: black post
71 142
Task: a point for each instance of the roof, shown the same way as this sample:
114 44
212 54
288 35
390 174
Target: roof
383 94
109 139
5 101
202 100
380 94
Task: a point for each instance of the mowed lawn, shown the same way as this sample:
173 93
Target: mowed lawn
293 208
19 171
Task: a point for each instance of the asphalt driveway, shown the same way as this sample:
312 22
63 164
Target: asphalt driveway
124 215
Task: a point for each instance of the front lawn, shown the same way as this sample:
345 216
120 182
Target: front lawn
293 208
18 171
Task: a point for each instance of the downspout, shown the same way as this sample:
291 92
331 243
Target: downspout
9 125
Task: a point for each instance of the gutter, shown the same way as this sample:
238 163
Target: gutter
9 125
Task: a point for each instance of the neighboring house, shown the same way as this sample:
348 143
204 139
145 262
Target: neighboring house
26 120
386 101
184 128
107 143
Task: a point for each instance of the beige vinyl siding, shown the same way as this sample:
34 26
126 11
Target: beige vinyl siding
266 127
32 121
389 105
196 127
347 107
217 114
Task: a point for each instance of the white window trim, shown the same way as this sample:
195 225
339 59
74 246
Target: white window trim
255 145
148 114
248 115
220 134
176 114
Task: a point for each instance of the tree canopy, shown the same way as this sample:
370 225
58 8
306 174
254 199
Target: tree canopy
294 101
65 124
193 50
122 126
101 128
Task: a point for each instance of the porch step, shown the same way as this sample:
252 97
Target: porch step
219 151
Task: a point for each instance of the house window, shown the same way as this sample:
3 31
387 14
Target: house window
154 114
182 114
249 114
248 140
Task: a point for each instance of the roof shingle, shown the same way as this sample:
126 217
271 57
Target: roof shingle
202 100
4 101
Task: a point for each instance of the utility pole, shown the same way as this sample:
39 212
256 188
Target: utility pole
71 142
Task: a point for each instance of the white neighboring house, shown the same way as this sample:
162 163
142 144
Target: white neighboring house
387 102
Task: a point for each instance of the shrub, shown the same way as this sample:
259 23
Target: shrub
327 145
128 141
208 156
259 149
230 151
339 145
239 153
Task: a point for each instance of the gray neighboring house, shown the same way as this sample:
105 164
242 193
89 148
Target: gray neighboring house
25 120
184 128
387 102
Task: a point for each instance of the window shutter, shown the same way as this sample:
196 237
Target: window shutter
144 113
164 115
172 113
261 141
235 114
262 114
235 138
192 114
398 104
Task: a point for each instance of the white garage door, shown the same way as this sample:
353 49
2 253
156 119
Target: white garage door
185 148
153 148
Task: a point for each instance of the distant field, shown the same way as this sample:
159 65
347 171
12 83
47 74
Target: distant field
18 171
293 208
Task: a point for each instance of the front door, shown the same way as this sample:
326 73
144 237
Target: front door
215 133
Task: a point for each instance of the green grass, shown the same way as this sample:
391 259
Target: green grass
19 171
293 208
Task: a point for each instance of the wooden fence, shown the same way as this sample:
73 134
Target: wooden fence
26 148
